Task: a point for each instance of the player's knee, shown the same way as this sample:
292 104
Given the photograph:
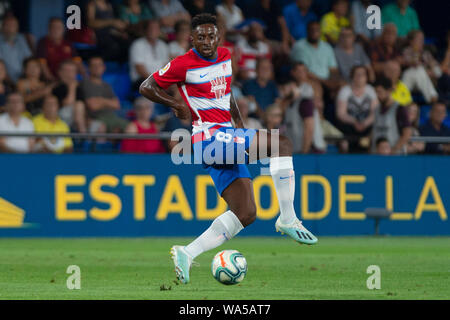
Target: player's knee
248 215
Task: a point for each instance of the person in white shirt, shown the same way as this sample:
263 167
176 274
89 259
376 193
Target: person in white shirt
229 13
182 42
13 121
147 54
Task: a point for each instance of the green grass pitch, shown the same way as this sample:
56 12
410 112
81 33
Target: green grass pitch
278 268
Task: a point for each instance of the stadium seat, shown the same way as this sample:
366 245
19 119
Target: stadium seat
120 82
424 114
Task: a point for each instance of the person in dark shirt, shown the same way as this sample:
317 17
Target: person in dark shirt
53 49
195 7
6 85
436 128
269 11
70 97
262 88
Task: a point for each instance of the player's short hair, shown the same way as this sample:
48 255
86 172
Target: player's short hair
203 18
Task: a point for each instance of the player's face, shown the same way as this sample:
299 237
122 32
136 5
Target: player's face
205 40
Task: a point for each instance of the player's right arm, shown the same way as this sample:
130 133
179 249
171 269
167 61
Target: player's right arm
153 88
152 91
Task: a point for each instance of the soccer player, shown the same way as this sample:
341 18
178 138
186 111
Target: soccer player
203 77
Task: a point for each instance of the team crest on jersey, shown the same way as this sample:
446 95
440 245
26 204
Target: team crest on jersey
219 86
163 70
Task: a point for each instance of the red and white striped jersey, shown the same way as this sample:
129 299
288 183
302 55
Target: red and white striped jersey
204 85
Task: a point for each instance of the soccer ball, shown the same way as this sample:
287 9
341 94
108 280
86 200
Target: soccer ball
229 267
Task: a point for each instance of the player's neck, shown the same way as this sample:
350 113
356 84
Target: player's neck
211 58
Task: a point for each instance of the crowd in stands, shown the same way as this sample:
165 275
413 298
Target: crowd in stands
322 78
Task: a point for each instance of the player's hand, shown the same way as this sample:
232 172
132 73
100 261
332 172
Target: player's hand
181 111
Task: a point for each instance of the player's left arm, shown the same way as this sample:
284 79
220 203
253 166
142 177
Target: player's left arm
235 113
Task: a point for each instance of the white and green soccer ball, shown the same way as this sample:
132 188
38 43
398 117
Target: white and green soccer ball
229 267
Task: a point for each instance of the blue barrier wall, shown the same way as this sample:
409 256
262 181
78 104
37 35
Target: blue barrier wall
147 195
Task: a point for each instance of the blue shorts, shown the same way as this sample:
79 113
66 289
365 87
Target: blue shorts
224 155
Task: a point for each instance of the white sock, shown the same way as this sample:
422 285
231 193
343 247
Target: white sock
282 171
223 228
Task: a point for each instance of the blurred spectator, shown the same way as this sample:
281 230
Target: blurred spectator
269 12
5 9
6 85
356 105
112 40
302 119
13 47
391 119
168 12
249 122
435 127
385 48
182 42
318 56
142 125
402 15
13 121
400 92
54 49
420 67
443 85
298 15
332 23
230 14
68 92
262 89
251 48
147 54
49 122
195 7
349 54
32 87
359 21
99 98
273 117
172 124
414 118
134 13
383 147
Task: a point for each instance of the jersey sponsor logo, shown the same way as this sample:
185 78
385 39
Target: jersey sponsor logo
219 86
163 70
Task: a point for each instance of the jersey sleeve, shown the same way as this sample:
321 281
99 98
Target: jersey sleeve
172 73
